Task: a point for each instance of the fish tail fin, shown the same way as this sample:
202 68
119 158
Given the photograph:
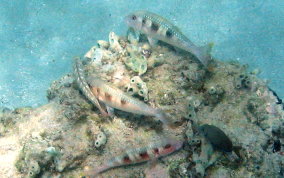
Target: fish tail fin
204 53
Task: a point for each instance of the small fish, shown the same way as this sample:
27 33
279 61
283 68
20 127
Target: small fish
116 98
218 139
83 85
99 91
159 28
151 152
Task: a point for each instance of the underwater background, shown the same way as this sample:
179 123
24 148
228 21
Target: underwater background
39 38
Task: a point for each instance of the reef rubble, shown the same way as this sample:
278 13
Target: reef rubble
69 135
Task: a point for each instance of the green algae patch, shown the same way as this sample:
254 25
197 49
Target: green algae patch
137 64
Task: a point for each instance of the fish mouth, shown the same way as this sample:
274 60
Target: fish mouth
127 20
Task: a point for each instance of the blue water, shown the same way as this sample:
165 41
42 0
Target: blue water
39 38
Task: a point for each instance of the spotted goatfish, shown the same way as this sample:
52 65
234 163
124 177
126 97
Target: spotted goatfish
84 87
156 28
99 91
151 152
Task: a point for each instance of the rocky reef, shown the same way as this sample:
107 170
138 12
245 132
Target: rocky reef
231 122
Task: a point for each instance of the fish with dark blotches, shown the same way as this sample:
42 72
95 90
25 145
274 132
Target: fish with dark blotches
100 92
156 28
149 153
84 87
218 139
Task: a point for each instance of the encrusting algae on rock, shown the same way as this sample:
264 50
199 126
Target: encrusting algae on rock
69 136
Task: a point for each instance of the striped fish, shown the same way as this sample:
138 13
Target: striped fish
151 152
99 91
159 28
84 87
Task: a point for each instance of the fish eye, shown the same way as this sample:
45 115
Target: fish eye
134 17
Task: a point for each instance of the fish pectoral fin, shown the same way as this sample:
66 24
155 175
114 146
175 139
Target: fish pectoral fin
99 106
152 41
104 113
103 109
133 36
110 111
106 110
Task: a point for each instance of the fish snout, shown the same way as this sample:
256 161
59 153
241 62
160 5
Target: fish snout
127 20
